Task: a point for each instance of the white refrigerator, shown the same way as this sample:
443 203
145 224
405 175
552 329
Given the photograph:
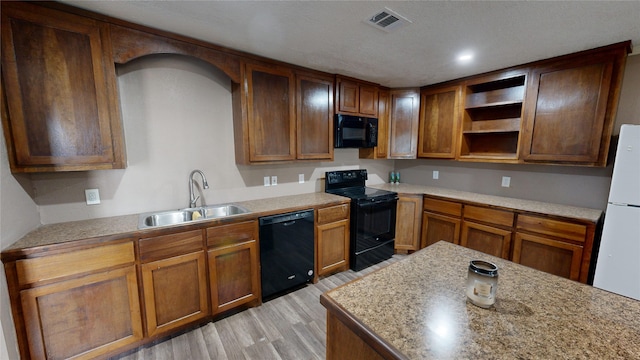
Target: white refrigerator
618 264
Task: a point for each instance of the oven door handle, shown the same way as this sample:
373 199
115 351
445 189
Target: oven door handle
375 202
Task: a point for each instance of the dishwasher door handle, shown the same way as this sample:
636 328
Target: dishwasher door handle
289 223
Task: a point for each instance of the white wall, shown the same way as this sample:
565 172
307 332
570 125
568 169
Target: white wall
18 216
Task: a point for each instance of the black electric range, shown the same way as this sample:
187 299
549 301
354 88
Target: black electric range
373 217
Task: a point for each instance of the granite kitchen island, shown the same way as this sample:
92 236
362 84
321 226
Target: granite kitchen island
417 309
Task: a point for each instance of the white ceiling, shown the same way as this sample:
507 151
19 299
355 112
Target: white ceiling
332 36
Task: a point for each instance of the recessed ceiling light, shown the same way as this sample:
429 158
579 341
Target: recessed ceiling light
465 57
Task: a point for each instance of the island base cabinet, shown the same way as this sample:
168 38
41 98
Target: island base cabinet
548 255
343 343
175 292
83 318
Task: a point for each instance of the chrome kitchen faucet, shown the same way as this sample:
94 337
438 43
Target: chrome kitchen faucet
193 199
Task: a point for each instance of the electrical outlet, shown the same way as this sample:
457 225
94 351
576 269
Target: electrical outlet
436 174
506 181
300 178
274 180
267 182
92 196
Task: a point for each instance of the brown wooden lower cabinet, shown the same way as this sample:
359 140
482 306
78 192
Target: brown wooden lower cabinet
234 276
408 222
332 252
87 313
548 255
487 230
174 280
440 221
555 246
436 227
486 239
175 292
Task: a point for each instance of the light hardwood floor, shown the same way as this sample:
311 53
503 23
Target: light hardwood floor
292 326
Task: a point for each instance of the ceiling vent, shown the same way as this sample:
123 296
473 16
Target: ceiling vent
387 20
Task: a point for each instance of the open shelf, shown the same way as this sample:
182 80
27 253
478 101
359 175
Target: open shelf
499 97
492 119
490 144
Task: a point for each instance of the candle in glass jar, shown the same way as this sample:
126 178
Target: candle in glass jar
482 283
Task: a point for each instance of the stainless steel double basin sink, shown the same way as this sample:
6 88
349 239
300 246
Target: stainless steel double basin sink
182 216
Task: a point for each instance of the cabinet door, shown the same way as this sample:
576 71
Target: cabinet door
437 227
234 275
439 122
60 91
408 222
332 239
85 317
315 117
271 113
369 101
548 255
349 99
333 246
175 292
569 103
486 239
405 108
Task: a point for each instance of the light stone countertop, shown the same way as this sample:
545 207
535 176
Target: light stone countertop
418 306
573 212
127 225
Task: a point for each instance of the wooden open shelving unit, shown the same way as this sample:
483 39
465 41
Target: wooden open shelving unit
493 117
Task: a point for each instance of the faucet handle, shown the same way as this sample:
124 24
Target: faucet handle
194 201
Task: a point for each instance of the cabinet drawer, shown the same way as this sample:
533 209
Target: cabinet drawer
562 229
232 234
333 213
160 247
442 206
492 216
73 263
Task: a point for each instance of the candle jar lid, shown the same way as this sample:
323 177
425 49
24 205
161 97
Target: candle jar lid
483 268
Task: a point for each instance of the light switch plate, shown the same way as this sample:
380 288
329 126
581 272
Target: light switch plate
300 178
92 196
436 174
267 182
274 180
506 181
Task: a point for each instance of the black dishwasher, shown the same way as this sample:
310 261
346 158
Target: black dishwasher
286 252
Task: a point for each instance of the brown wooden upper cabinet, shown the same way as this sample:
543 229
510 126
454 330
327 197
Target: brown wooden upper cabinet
282 116
439 121
61 111
355 97
571 106
403 129
268 130
314 106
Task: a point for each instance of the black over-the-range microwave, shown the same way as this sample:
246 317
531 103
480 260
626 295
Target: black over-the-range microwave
355 132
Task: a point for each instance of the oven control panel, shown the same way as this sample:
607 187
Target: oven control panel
346 176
